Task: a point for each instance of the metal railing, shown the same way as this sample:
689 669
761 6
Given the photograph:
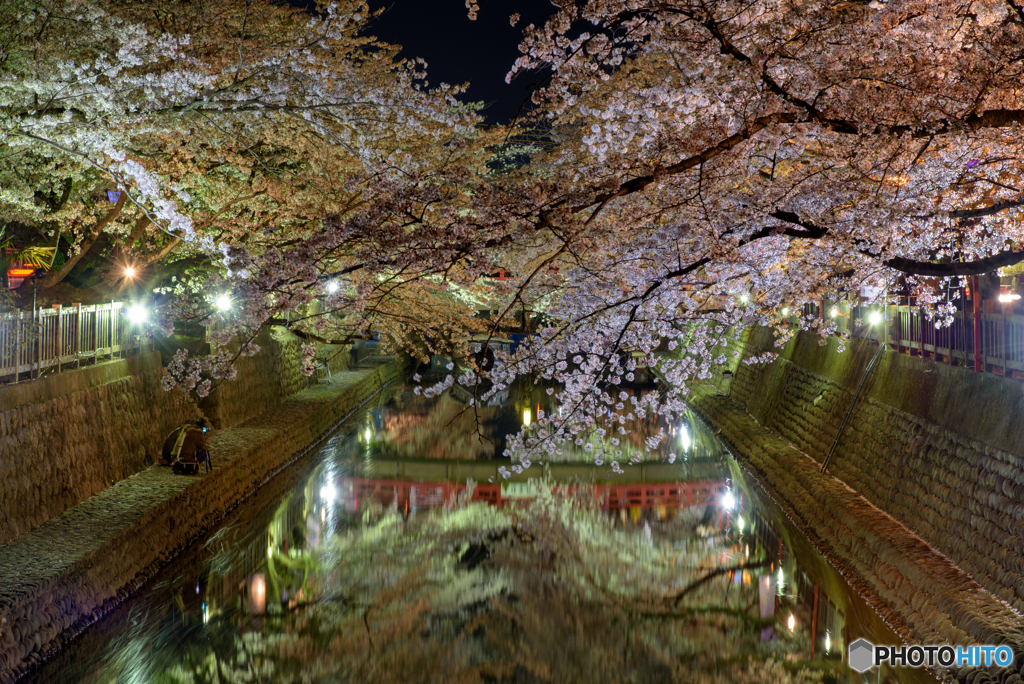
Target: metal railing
59 336
908 329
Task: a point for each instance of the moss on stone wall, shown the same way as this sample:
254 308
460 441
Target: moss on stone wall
939 448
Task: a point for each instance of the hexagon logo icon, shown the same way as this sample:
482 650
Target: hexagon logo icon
862 655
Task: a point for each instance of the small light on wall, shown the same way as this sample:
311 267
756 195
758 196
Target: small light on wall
834 312
527 416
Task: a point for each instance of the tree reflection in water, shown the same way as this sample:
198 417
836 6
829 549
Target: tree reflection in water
551 590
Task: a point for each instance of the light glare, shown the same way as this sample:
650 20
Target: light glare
728 501
874 318
1012 297
137 314
223 302
129 272
332 287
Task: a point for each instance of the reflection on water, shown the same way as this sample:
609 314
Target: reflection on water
364 566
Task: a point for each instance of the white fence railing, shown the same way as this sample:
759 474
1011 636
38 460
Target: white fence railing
59 336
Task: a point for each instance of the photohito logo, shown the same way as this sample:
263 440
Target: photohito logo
864 655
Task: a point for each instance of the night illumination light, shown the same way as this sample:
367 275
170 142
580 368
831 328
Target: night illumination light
527 416
728 501
137 314
129 272
791 623
874 318
223 302
1012 297
785 311
332 287
327 493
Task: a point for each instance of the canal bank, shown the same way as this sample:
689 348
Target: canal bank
922 595
63 575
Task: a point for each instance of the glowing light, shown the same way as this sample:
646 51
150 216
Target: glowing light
828 642
684 438
740 523
728 501
834 312
782 580
1012 297
368 433
874 318
745 298
206 613
785 311
223 302
129 272
137 314
527 416
333 287
327 493
258 593
791 623
323 515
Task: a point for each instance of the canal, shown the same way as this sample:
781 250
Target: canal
407 549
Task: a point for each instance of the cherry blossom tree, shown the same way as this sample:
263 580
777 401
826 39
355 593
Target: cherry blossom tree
713 165
221 122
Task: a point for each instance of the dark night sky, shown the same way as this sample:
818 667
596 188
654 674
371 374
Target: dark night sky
459 50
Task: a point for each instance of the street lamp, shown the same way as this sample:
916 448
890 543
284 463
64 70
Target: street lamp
332 287
874 318
223 302
129 272
137 314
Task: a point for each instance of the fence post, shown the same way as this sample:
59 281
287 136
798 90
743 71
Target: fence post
60 333
979 356
17 344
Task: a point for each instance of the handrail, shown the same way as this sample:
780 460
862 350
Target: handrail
59 336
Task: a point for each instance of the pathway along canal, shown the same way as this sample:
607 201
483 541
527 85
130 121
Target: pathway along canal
371 561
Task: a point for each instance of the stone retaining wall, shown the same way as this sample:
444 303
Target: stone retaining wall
266 379
941 449
69 436
62 576
78 433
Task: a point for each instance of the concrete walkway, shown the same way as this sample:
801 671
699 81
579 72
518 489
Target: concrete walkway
920 593
62 576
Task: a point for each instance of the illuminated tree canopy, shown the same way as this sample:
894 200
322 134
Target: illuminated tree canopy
684 168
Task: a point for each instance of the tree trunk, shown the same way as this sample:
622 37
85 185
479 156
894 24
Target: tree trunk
55 277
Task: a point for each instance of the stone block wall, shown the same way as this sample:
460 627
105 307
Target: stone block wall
83 431
938 448
69 436
265 379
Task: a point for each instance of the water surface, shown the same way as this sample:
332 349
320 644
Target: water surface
398 552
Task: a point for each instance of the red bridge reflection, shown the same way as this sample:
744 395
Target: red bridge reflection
409 493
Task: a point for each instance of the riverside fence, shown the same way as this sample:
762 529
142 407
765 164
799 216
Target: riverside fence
988 338
60 336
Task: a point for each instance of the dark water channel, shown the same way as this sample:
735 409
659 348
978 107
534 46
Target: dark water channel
373 561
